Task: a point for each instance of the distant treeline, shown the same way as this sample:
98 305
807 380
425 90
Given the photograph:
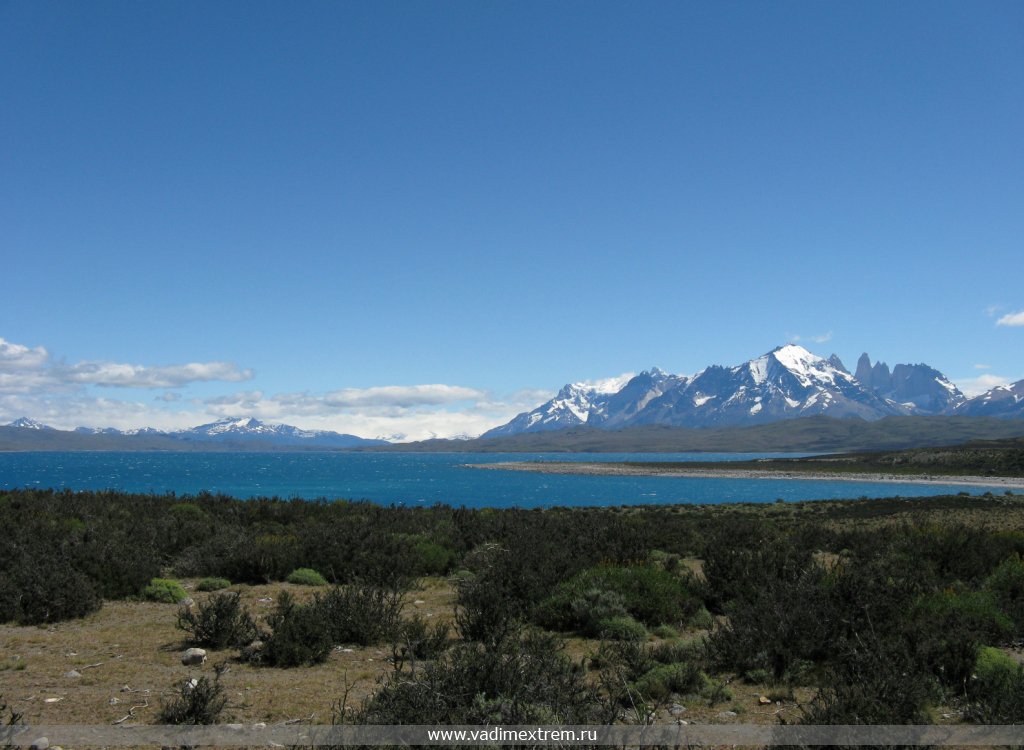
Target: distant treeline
998 458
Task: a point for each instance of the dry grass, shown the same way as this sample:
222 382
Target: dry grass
128 654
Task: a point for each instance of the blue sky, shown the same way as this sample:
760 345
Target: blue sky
422 217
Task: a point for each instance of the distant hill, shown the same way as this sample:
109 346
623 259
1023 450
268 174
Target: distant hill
229 434
805 435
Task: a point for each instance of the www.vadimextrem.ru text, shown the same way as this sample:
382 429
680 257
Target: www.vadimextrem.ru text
500 734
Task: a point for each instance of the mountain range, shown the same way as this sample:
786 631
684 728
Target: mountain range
786 383
228 432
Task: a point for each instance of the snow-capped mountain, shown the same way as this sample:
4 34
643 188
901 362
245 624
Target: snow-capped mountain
98 431
1004 401
787 382
28 424
228 430
248 429
574 405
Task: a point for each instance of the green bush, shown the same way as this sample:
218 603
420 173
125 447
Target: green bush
491 601
432 558
975 612
198 701
43 591
522 679
775 628
677 652
649 594
422 640
665 679
996 690
361 614
212 584
621 629
306 577
164 590
1006 586
220 622
300 634
992 664
876 681
593 609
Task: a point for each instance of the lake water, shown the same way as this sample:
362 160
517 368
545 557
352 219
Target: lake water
419 478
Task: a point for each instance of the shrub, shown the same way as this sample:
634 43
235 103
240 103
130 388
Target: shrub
780 625
300 634
522 679
164 590
975 612
422 640
1006 586
665 679
622 629
45 591
666 632
199 701
996 691
306 577
745 556
432 558
220 622
490 603
876 682
361 614
212 584
677 652
649 594
593 609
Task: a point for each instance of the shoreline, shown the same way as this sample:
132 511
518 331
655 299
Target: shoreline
620 470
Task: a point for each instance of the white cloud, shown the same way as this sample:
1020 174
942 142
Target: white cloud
117 375
609 385
67 395
14 357
983 367
1012 319
78 410
976 386
401 396
30 370
415 412
821 338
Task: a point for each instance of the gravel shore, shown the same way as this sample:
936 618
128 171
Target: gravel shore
621 470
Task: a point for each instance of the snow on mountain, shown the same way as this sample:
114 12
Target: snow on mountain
98 431
1005 401
231 429
29 424
571 407
237 430
787 382
920 388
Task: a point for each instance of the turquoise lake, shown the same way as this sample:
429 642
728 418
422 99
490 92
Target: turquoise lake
420 479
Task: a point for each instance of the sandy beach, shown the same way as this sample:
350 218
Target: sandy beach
622 470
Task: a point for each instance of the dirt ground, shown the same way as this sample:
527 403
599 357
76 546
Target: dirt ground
128 656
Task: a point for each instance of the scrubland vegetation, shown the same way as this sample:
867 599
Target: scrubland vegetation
870 611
